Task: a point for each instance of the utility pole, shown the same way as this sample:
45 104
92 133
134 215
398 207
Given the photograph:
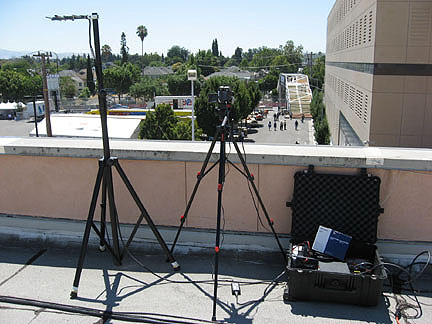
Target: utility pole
45 91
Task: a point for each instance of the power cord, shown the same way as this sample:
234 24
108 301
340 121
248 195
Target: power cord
235 290
104 314
397 282
252 196
225 282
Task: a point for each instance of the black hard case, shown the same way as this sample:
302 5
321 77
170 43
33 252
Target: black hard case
348 204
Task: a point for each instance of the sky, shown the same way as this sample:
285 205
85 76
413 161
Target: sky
189 24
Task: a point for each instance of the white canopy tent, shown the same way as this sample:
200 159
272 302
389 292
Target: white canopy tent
8 109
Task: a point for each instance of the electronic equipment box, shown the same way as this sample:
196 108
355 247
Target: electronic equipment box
348 204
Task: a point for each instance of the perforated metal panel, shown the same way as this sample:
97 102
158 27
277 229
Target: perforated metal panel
346 203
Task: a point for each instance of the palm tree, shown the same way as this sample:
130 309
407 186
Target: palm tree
142 33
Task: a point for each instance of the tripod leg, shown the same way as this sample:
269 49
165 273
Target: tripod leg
102 246
251 180
74 291
199 178
113 214
221 182
144 214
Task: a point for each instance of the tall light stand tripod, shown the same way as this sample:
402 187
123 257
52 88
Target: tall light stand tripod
104 177
224 132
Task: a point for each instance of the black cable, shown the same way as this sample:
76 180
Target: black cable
138 262
91 47
104 314
252 195
273 283
413 262
223 210
223 225
402 307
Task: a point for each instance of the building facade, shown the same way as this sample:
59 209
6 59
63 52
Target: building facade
379 72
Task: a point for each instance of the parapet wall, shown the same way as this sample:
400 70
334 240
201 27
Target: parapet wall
52 177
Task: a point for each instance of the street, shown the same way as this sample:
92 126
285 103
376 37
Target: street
303 135
16 128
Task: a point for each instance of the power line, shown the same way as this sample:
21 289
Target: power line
270 56
254 67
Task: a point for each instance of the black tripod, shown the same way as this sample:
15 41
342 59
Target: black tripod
105 178
223 132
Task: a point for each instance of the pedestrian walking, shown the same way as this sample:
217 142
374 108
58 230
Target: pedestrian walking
269 125
281 125
284 124
274 126
302 118
296 124
290 115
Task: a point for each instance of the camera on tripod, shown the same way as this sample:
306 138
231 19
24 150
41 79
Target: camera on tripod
224 99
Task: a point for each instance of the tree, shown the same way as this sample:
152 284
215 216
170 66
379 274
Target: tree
283 65
183 130
159 124
264 56
294 54
85 93
15 85
90 81
316 76
148 87
33 85
238 54
317 107
106 52
142 33
207 62
177 54
215 48
178 85
72 62
244 63
19 65
120 78
124 49
67 87
270 81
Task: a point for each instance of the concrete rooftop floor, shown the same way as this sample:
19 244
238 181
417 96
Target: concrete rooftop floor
130 288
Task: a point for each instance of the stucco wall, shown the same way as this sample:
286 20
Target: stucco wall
57 186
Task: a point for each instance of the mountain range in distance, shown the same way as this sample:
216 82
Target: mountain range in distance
7 54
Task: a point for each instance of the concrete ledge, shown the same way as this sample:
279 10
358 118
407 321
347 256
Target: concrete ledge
37 231
63 233
324 156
